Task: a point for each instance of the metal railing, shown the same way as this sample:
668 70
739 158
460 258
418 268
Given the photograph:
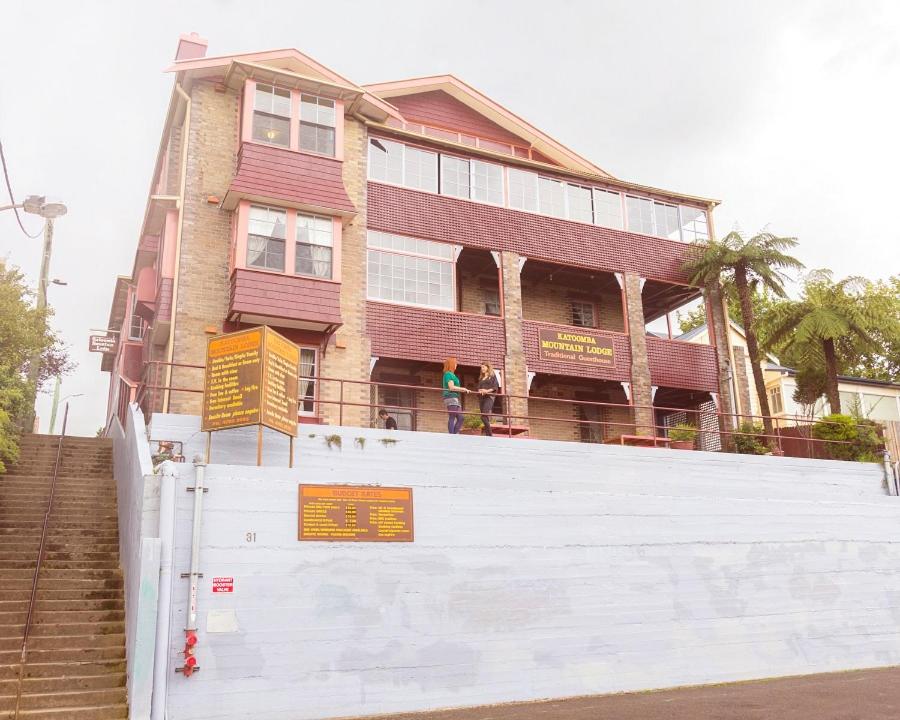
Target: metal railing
721 431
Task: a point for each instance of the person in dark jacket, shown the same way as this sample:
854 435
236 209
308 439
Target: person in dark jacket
389 422
487 388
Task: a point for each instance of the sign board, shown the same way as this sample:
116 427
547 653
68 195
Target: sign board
576 346
251 379
355 513
102 343
223 585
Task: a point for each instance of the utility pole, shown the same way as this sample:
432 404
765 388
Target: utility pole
34 369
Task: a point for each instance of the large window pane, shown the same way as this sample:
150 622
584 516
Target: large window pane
272 115
608 209
693 224
667 224
454 176
487 182
265 238
640 214
135 325
881 407
423 275
314 246
420 170
522 190
580 203
385 161
552 197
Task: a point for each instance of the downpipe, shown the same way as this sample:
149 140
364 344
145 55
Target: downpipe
891 479
164 606
190 631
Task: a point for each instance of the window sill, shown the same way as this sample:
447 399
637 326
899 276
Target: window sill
298 151
281 273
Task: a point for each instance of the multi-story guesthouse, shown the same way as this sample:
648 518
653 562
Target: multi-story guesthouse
385 227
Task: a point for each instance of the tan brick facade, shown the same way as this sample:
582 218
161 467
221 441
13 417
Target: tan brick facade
552 303
203 283
641 386
515 377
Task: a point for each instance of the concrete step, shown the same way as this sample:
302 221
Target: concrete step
75 628
76 616
70 642
99 712
64 683
79 698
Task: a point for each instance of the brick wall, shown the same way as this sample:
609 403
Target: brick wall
549 302
640 367
349 353
474 291
515 378
203 285
678 364
442 218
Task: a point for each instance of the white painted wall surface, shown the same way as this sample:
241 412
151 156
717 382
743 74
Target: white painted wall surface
539 569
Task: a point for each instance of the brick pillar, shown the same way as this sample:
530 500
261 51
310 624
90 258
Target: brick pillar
741 380
641 387
515 375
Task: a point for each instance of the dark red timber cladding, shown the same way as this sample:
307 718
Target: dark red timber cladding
437 217
678 364
284 296
296 177
133 360
442 110
164 299
621 348
411 333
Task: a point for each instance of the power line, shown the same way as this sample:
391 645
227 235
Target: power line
11 198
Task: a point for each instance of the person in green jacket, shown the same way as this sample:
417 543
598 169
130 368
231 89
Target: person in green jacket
451 396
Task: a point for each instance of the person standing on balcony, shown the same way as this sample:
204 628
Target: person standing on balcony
487 387
451 396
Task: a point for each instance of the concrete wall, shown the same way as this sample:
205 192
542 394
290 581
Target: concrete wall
539 569
137 496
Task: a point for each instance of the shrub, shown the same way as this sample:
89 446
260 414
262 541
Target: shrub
750 439
683 432
857 439
472 422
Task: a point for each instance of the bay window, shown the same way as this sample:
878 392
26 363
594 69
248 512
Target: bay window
306 390
317 124
410 271
580 207
265 238
608 209
314 246
272 115
523 190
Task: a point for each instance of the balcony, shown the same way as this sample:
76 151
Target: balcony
271 174
438 217
416 333
284 300
679 364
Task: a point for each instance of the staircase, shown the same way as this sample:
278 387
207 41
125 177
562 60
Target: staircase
75 663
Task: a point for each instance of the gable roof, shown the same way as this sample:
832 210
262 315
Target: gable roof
491 110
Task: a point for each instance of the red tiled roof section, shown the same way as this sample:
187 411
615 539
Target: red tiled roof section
281 174
412 333
679 364
443 110
284 297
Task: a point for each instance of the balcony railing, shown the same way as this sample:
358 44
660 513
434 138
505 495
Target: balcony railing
343 400
679 364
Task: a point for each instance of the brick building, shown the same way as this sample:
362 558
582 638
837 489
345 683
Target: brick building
385 227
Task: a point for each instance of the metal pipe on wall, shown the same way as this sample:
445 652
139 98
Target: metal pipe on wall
164 607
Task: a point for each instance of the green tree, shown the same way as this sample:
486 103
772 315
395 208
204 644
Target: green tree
880 360
747 265
830 323
24 333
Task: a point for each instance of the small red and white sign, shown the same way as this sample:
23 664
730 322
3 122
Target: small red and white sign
223 584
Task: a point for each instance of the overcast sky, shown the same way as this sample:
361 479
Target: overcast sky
789 112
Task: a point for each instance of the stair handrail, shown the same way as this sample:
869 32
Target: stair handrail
37 566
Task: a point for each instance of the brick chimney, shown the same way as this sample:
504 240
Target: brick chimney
191 47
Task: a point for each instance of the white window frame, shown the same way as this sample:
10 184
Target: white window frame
583 304
473 169
532 177
695 234
455 249
412 150
315 382
386 144
131 318
251 266
619 201
590 199
271 113
317 123
315 233
446 160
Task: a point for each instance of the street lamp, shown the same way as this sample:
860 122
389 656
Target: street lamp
49 210
56 402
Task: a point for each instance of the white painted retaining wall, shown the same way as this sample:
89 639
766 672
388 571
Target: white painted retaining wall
539 569
137 497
